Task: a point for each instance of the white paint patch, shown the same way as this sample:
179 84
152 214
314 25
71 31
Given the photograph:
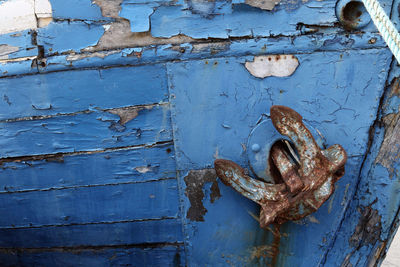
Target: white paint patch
43 13
75 57
143 169
272 65
312 219
19 15
263 4
5 50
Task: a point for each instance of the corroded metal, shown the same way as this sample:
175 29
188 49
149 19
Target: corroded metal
305 185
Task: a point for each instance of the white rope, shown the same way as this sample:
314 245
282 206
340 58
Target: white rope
385 26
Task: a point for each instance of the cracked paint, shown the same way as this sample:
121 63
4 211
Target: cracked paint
272 65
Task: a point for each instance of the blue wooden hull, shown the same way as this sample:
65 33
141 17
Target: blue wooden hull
112 116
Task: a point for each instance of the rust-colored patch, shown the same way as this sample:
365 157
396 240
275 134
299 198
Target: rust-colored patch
215 193
301 185
195 181
275 244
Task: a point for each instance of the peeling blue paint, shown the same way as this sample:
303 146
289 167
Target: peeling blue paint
97 139
138 16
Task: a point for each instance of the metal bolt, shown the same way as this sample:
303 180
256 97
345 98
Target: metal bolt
255 148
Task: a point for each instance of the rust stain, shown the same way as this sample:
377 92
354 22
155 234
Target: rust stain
215 193
195 181
275 244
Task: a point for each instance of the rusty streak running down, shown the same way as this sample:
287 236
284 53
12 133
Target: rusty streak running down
305 185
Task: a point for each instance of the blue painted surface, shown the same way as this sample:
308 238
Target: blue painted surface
90 131
61 36
113 234
79 186
167 256
72 91
21 41
92 204
329 103
111 167
138 16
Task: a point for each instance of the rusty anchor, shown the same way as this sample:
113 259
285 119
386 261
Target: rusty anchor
303 186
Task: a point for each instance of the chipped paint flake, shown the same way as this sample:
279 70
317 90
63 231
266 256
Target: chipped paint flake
263 4
5 50
125 114
75 57
272 65
143 169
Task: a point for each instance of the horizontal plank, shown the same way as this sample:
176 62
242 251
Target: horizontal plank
68 10
72 91
17 45
94 130
66 36
166 256
94 235
149 200
110 167
19 67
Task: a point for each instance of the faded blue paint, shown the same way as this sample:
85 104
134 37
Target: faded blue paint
170 256
111 167
90 131
91 204
138 16
69 10
61 36
116 87
84 188
21 41
238 102
87 234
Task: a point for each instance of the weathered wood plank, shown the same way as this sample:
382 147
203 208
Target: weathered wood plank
166 256
372 216
94 235
226 48
92 130
72 91
65 36
149 200
328 90
17 45
110 167
87 10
